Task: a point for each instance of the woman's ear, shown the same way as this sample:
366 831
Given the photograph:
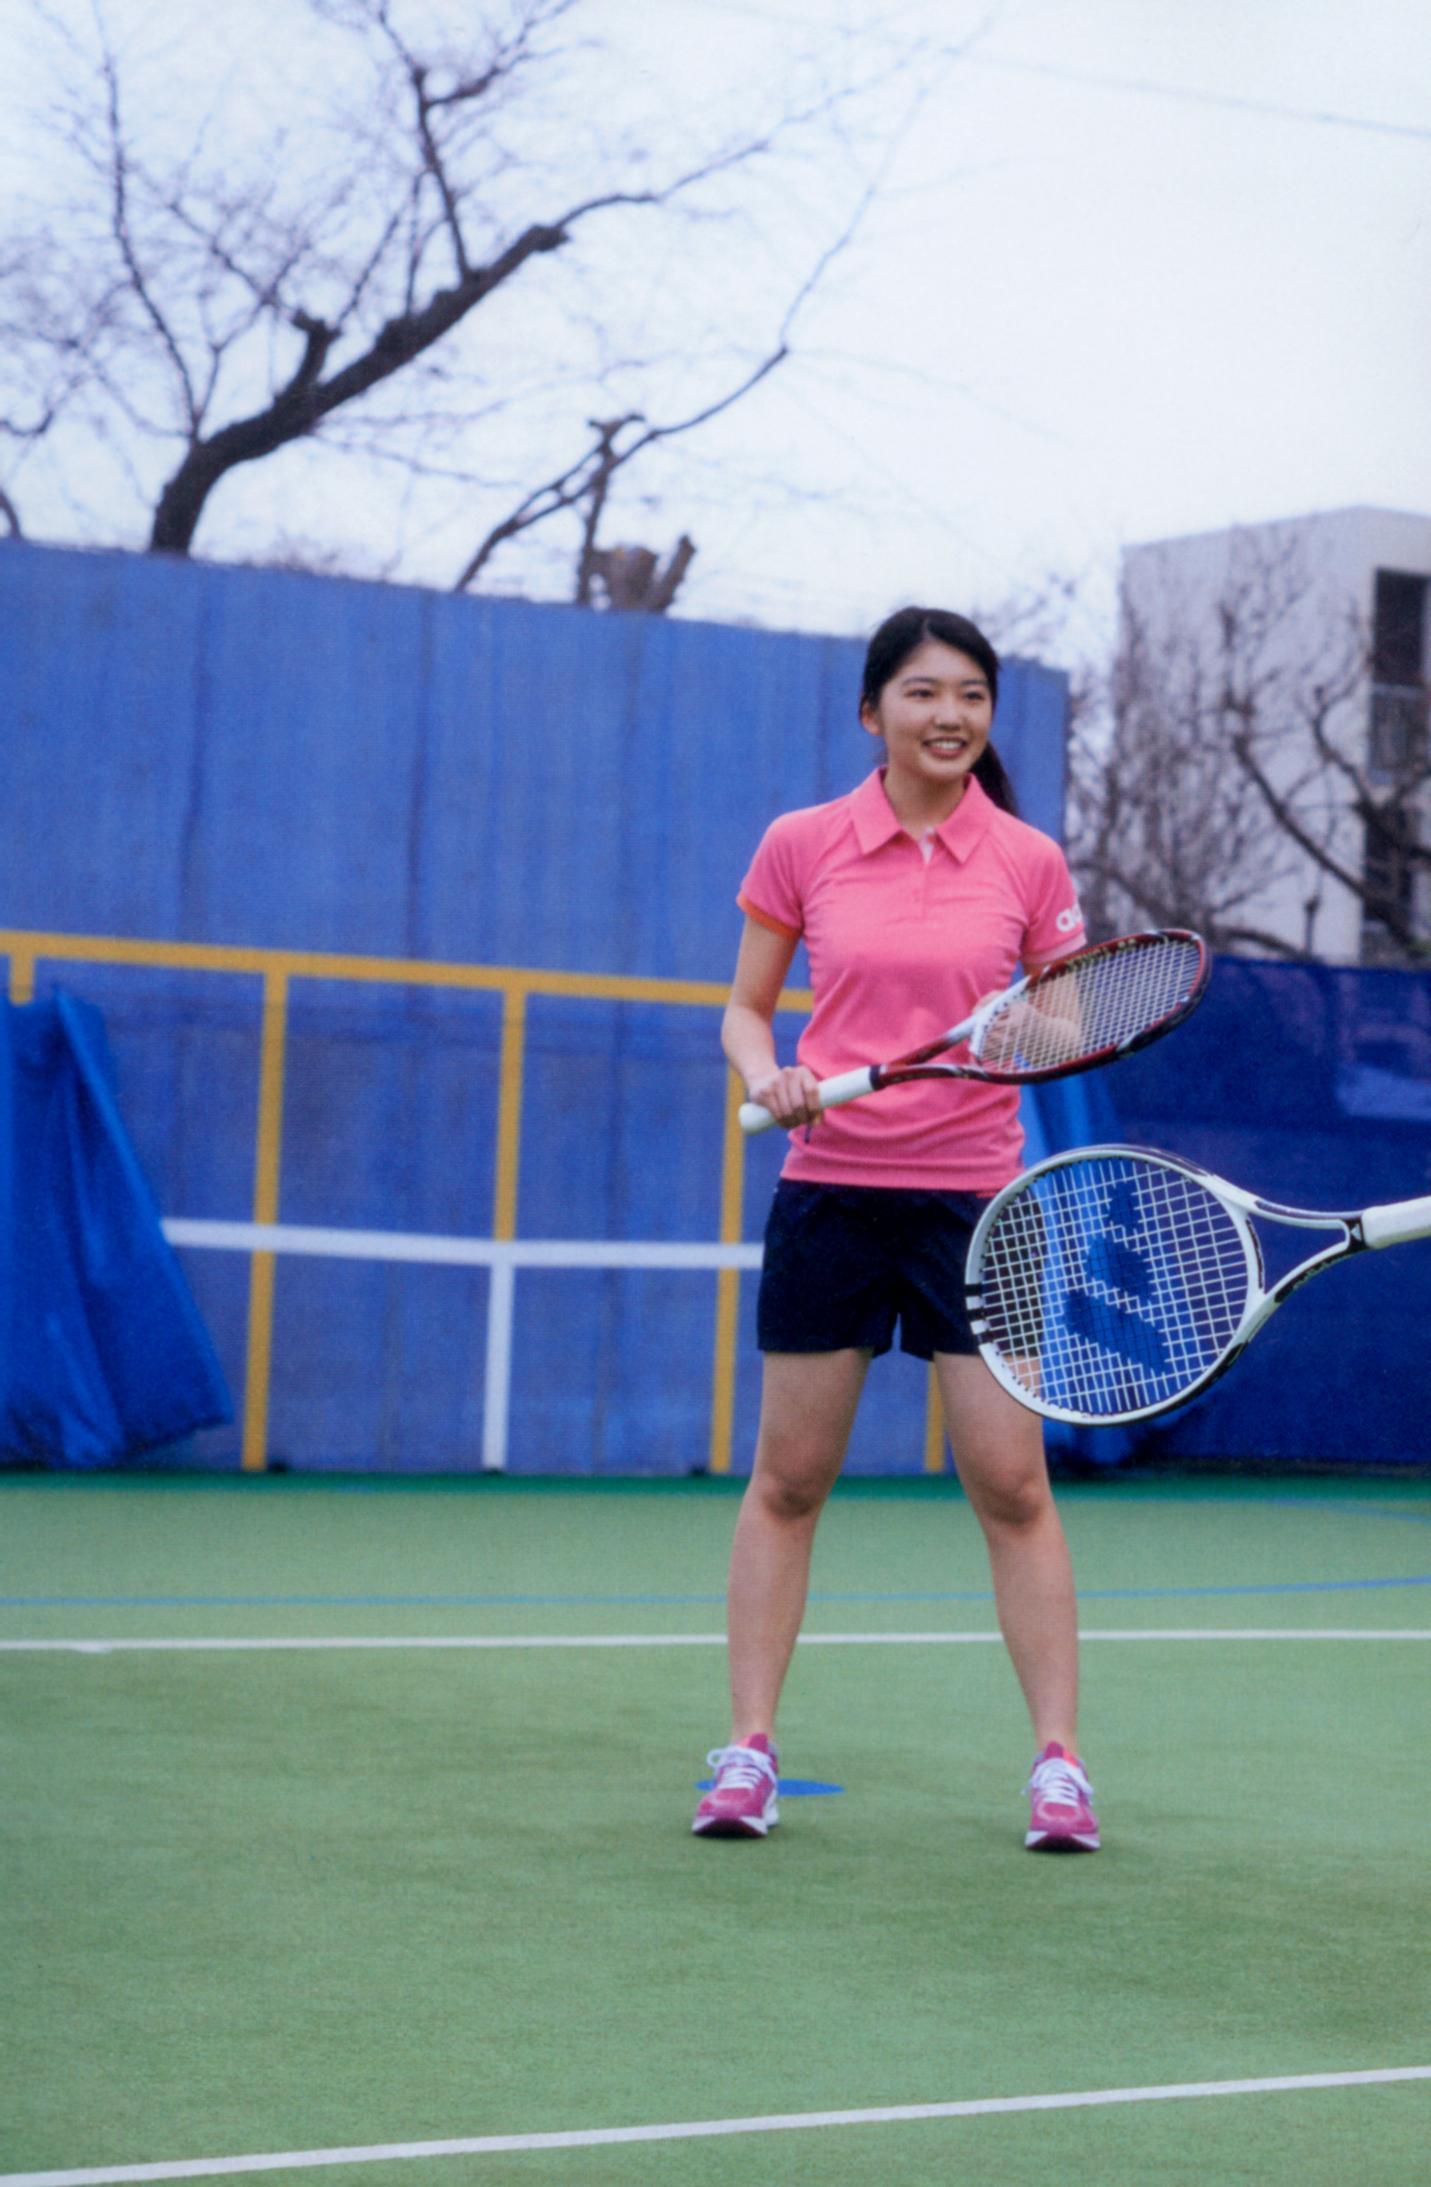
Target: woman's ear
869 719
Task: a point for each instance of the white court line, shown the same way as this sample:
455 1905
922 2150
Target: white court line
250 1642
598 2137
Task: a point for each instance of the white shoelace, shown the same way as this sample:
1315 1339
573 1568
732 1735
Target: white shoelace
742 1766
1061 1783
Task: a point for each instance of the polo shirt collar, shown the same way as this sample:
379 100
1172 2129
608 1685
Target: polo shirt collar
876 822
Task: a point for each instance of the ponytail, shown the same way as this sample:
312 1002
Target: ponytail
993 779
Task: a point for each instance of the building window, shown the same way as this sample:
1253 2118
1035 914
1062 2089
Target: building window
1398 631
1399 759
1388 873
1398 740
1398 732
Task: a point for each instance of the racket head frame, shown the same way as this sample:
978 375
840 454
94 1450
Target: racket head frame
1236 1205
1357 1230
921 1063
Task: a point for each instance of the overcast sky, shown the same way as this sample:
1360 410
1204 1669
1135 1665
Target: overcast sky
1132 315
1137 268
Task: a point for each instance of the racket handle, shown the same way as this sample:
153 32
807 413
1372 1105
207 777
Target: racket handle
833 1092
1397 1223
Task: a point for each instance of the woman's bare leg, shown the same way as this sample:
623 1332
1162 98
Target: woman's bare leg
807 1409
998 1450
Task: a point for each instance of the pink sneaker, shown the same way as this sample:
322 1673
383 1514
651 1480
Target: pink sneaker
1061 1818
744 1800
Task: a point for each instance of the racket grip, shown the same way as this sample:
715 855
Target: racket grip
1398 1223
834 1093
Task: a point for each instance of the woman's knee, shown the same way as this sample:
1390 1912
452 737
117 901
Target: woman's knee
998 1447
791 1478
1012 1502
795 1468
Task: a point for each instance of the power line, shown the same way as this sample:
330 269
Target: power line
1134 86
1142 88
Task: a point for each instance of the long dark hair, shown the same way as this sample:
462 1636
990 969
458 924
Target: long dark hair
903 633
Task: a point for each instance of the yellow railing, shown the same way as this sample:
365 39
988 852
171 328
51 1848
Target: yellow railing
276 972
277 969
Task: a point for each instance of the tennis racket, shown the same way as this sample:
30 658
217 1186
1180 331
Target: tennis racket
1112 1284
1087 1009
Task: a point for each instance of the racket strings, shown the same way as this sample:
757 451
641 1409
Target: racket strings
1094 1003
1110 1285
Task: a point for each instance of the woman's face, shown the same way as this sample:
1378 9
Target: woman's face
934 714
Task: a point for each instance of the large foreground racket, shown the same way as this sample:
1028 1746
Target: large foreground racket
1087 1009
1112 1284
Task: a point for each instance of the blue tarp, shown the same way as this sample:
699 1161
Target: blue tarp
102 1351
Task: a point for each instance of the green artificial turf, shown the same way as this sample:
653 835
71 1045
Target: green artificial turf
287 1901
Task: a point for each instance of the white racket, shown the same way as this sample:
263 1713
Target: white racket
1112 1284
1102 1003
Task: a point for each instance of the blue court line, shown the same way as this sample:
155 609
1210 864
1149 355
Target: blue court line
520 1602
1352 1509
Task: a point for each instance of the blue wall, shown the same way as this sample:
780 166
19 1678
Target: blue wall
248 756
1310 1085
260 758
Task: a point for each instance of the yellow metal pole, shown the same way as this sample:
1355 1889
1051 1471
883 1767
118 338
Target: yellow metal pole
22 977
265 1210
933 1427
732 1210
509 1111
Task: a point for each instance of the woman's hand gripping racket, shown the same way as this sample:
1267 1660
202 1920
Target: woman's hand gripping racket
1112 1284
1087 1009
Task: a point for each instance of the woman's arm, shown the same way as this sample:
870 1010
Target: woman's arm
747 1031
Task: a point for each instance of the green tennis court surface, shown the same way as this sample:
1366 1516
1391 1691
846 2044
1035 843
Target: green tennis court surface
342 1902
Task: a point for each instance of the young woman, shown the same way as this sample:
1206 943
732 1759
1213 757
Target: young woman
915 896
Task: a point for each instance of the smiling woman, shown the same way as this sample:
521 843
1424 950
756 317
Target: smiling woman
930 686
915 896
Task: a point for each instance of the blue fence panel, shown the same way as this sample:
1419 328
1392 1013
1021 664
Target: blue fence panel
390 1108
1309 1085
377 1368
622 1109
243 756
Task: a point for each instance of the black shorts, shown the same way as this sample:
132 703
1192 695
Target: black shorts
844 1263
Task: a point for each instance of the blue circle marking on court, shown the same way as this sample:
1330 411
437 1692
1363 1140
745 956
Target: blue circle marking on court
791 1788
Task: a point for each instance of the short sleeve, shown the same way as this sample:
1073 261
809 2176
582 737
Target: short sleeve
770 893
1055 923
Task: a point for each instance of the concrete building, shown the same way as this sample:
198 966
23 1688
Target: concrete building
1308 639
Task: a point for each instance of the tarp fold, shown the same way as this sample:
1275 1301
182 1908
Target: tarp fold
103 1353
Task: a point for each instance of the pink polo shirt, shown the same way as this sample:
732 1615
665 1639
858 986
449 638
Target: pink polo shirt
901 946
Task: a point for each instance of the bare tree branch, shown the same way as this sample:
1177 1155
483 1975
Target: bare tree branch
119 182
1231 772
604 470
590 478
238 310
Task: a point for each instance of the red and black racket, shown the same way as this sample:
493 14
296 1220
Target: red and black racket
1102 1003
